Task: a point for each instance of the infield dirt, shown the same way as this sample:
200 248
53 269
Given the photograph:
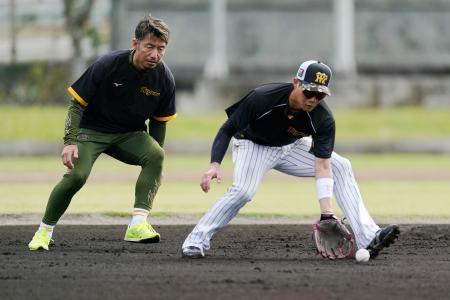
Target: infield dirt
245 262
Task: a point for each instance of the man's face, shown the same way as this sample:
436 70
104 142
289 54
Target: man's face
303 100
149 51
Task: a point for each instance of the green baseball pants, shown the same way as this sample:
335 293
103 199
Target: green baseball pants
134 148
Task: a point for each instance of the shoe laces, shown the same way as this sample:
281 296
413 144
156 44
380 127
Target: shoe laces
42 235
150 227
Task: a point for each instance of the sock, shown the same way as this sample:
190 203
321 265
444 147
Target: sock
48 227
139 215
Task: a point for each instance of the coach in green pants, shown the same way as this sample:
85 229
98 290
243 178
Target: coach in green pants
111 102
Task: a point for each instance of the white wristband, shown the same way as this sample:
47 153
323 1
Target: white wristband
324 188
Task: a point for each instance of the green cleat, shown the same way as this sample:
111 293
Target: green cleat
40 241
142 233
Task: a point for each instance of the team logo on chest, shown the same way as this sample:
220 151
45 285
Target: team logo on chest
148 92
294 132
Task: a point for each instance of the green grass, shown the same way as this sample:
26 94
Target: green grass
287 196
418 123
199 163
393 123
403 161
383 199
383 196
38 123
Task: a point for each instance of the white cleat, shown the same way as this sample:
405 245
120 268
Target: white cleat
193 252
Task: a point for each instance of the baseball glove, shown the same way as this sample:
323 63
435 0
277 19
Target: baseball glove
332 239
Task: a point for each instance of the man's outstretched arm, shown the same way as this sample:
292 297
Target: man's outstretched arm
71 127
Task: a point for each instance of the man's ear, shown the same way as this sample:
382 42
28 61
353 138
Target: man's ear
134 43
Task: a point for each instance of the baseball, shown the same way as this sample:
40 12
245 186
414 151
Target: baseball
362 256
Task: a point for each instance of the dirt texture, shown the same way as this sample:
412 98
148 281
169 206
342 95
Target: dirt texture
245 262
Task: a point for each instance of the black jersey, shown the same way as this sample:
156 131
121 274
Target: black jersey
263 116
119 98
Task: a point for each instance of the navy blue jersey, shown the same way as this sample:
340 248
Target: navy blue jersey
263 116
119 98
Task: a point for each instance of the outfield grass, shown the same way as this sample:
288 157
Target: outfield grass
176 162
38 123
383 199
393 123
46 124
390 197
383 196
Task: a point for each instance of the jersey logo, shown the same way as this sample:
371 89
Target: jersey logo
117 84
148 92
321 78
294 132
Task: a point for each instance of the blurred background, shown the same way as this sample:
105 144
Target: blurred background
391 90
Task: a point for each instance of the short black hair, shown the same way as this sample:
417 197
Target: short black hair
153 26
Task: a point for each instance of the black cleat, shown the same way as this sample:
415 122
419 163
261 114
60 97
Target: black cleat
383 239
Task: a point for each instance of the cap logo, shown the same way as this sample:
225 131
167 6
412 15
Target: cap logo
300 72
321 78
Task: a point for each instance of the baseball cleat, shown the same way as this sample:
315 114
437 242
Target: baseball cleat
40 241
142 233
383 239
192 252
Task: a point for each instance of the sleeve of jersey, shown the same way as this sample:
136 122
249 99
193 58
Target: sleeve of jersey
323 141
221 142
85 88
243 112
239 118
166 110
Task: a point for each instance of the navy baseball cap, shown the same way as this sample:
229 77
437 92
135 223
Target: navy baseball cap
315 76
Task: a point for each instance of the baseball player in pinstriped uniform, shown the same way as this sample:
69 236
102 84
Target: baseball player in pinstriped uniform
271 127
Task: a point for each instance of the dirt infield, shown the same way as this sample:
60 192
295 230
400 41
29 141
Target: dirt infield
245 262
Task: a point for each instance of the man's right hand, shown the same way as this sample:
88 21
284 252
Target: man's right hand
68 153
213 172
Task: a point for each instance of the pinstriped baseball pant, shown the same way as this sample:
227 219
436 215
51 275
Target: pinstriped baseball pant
253 161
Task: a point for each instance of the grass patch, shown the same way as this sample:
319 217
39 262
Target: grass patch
276 198
395 123
115 214
47 123
200 163
405 161
287 197
390 124
257 216
122 214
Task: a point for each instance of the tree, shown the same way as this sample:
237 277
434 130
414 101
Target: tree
13 30
77 14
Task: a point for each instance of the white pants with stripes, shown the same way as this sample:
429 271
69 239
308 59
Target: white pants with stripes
253 161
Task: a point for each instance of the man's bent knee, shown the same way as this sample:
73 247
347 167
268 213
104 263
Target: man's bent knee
76 179
240 194
342 165
154 157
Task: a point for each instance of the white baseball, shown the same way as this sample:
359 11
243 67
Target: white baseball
362 256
